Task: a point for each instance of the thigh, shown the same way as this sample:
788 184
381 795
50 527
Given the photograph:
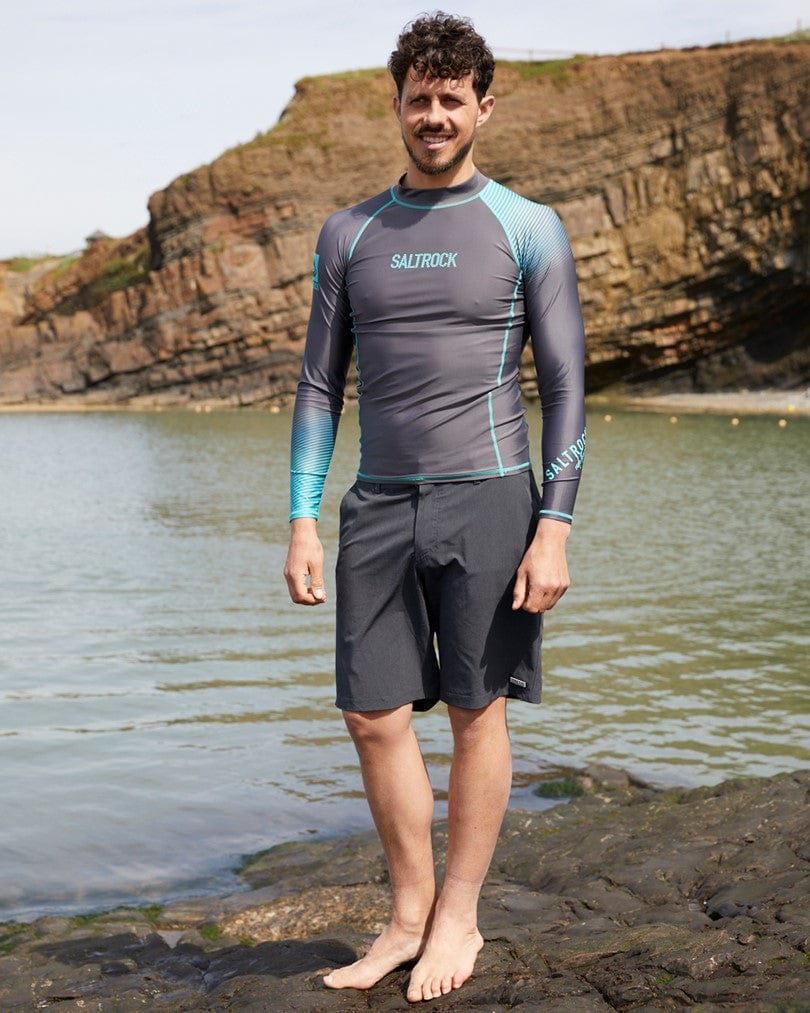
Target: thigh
486 649
384 637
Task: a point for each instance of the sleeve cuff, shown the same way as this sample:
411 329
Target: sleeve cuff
558 515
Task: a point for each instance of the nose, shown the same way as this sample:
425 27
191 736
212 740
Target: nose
434 116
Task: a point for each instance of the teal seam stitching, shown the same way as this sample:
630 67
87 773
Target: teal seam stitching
366 224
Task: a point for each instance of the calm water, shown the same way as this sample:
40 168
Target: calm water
164 709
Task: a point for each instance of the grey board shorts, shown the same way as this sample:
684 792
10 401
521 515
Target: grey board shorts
424 583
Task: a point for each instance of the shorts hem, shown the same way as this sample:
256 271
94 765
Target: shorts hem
476 703
343 704
426 702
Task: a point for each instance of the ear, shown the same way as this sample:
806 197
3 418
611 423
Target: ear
485 107
397 106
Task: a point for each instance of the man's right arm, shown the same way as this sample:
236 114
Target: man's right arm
318 406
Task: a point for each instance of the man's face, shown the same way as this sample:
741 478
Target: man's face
439 118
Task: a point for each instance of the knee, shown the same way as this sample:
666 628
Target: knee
472 727
360 725
372 728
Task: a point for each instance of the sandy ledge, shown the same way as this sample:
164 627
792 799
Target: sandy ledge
783 403
626 898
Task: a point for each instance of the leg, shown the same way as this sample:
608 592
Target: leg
480 780
401 801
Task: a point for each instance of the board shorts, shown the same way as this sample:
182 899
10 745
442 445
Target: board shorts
424 581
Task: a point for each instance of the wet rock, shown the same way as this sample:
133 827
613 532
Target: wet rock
628 900
600 775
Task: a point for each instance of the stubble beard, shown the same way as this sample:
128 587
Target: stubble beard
438 168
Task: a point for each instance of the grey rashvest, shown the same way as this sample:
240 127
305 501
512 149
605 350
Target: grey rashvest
437 291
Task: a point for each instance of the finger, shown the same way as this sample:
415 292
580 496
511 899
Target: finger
316 585
298 587
538 599
544 599
519 592
534 602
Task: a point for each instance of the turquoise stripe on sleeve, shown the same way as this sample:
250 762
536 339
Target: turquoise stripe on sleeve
535 233
555 513
313 440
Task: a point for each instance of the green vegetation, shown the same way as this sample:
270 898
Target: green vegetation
87 919
211 931
246 861
275 137
122 272
152 912
556 70
21 265
800 35
366 74
677 796
297 128
61 266
64 266
11 935
566 787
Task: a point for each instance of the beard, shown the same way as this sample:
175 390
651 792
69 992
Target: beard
437 168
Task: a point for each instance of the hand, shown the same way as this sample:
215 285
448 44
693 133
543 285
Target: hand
542 577
303 570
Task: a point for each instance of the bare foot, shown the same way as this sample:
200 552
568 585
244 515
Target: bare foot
447 962
394 946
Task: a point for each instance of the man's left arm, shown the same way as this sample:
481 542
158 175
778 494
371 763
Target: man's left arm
558 343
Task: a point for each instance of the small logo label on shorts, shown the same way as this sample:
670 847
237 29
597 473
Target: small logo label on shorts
517 682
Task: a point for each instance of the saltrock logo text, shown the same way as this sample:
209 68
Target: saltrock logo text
574 455
412 261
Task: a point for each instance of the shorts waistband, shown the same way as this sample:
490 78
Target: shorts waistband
401 486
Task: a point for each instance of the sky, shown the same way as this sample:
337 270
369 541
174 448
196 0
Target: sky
106 101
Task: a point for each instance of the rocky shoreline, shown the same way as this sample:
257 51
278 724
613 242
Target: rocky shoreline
626 898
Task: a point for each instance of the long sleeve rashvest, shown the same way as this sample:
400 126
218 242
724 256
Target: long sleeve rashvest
437 291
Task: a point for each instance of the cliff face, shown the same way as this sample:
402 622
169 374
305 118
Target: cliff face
682 178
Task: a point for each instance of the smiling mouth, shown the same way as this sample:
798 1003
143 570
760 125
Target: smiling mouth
436 139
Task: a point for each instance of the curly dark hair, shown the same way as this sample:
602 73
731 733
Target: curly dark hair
441 45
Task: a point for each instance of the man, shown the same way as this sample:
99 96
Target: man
438 284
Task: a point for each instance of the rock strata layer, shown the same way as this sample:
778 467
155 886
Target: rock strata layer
682 177
625 899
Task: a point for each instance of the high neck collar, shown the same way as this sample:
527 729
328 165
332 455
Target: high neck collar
432 196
